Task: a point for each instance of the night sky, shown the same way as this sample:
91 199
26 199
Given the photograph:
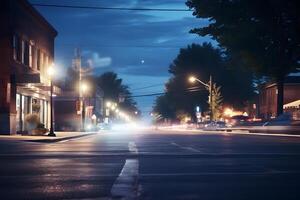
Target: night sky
138 45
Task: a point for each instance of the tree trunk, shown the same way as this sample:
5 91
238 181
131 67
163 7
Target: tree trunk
280 95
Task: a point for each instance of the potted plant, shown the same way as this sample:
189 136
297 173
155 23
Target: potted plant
40 129
34 126
31 122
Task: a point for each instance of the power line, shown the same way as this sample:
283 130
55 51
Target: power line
112 8
162 93
149 95
150 86
124 46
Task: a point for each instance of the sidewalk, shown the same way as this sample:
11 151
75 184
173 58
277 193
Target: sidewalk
60 136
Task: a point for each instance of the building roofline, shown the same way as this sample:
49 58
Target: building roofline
39 16
290 80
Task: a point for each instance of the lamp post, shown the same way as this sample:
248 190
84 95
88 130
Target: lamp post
51 73
209 87
83 89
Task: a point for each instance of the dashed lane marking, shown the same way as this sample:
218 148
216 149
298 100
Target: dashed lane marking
186 148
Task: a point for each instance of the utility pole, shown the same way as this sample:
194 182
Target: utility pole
210 97
76 64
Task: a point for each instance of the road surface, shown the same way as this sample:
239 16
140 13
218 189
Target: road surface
152 165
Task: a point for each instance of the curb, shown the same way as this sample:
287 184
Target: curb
53 139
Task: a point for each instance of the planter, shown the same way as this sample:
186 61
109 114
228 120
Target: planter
39 131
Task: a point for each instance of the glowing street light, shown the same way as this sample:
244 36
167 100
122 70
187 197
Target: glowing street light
84 87
208 86
108 104
113 107
192 79
51 72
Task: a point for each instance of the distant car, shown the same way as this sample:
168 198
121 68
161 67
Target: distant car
213 126
238 120
104 126
191 125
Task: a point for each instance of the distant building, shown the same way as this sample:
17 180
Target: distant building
68 110
26 51
268 97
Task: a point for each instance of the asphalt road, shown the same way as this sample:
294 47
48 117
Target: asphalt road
152 165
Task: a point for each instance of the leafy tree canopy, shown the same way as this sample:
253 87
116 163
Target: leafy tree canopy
263 35
113 89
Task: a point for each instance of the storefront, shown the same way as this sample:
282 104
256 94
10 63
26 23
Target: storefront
27 105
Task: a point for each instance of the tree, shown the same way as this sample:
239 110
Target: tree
113 88
202 61
164 107
205 60
261 35
216 103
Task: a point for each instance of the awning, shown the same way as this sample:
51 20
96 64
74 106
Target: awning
294 104
34 83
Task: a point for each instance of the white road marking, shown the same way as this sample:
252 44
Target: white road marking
186 148
132 147
126 185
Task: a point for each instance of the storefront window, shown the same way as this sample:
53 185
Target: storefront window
18 108
26 105
25 109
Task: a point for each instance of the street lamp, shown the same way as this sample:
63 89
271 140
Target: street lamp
108 104
50 74
208 86
83 88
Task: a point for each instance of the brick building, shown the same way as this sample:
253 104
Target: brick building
268 96
26 51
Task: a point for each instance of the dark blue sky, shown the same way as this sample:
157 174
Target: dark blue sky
122 41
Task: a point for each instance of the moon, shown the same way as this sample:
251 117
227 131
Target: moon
142 61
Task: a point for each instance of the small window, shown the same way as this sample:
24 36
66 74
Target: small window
22 51
41 60
30 56
35 57
38 59
15 47
26 54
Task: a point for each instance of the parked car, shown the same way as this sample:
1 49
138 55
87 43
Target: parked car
215 125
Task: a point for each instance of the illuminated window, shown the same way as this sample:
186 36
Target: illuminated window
30 56
41 55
